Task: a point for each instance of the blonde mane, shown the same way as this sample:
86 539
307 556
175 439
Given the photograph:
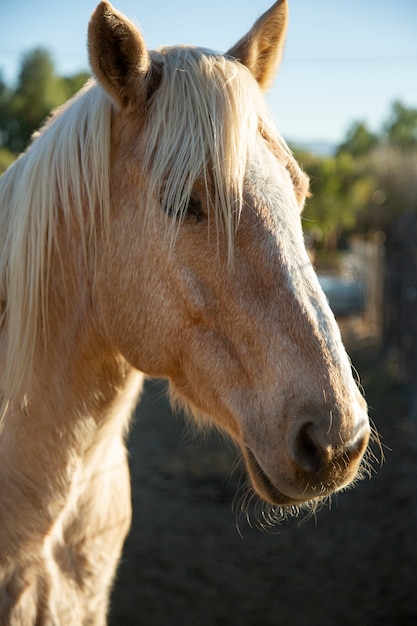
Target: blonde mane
202 120
64 175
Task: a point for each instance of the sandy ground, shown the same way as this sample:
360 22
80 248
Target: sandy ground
192 560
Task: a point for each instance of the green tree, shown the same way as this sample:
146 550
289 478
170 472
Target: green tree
6 116
395 190
340 187
369 182
359 140
401 127
38 91
6 159
75 82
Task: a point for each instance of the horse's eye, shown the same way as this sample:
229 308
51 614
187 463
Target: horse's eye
194 209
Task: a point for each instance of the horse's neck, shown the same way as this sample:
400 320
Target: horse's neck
72 427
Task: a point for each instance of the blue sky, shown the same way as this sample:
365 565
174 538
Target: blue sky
344 60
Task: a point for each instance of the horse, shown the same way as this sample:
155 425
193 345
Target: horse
153 228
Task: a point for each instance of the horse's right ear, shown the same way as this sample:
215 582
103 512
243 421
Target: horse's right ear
118 56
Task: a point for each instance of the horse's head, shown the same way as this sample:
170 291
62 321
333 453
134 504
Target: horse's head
203 277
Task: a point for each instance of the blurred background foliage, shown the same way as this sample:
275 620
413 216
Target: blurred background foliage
367 183
23 108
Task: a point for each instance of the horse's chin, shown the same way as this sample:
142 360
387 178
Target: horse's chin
308 494
264 486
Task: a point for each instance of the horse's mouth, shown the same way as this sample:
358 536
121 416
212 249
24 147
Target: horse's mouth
264 485
319 488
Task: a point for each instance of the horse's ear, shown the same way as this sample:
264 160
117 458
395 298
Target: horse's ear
118 56
261 49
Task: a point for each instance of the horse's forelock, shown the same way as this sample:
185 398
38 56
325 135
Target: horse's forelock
202 120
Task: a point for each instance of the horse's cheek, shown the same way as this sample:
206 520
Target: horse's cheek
138 322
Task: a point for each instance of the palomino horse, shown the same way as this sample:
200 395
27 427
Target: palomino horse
153 227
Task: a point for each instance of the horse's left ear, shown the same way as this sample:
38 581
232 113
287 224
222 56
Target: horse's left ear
261 49
118 56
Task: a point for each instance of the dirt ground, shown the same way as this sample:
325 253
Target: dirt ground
191 560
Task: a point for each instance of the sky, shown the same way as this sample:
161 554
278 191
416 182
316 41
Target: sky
345 60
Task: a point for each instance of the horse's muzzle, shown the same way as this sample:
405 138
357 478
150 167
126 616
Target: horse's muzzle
313 467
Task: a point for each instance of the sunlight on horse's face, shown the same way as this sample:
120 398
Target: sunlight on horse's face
254 346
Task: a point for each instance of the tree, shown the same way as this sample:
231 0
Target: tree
75 82
340 186
401 127
38 91
6 159
359 140
6 117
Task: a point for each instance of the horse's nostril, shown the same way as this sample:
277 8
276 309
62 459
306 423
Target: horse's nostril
358 447
312 451
306 451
